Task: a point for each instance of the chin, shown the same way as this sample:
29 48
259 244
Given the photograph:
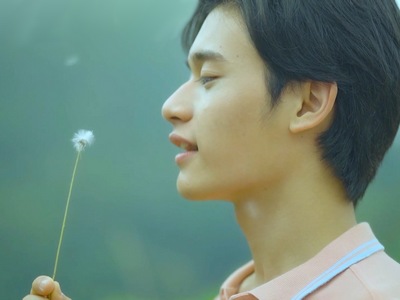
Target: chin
190 194
195 193
187 190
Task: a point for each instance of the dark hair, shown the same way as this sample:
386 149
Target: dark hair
351 42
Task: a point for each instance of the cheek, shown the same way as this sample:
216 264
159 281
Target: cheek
232 105
224 123
229 119
229 134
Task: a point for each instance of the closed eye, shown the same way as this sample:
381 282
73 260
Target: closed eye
206 79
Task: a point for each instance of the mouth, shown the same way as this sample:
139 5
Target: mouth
183 143
188 147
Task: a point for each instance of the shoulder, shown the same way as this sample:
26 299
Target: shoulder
375 278
380 275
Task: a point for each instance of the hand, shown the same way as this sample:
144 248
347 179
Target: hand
43 287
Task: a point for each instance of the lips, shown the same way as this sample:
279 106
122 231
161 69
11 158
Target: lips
190 148
182 142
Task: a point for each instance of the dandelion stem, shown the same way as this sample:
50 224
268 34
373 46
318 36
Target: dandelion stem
65 215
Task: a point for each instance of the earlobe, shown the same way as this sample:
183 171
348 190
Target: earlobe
315 107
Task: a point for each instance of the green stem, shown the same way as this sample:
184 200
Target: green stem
65 216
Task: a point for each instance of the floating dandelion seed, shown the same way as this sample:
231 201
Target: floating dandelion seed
80 140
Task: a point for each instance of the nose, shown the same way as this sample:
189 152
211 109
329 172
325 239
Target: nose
179 106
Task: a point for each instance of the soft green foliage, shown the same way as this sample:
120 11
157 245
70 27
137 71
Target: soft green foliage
108 66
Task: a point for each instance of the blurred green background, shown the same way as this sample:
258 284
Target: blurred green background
108 66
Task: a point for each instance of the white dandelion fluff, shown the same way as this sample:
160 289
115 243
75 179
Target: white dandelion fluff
82 139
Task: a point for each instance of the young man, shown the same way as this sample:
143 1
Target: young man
288 112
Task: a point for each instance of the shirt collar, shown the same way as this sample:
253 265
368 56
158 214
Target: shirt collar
296 279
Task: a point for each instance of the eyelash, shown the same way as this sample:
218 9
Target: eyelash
205 79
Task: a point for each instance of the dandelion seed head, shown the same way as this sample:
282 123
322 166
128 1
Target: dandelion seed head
82 139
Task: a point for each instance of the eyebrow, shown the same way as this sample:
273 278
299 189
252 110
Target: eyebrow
206 55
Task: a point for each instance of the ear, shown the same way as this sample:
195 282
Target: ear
315 107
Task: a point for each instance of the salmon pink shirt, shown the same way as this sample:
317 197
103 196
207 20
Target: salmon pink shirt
353 267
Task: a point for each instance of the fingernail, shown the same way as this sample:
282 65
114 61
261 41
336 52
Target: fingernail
43 284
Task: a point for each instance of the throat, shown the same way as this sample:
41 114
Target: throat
284 234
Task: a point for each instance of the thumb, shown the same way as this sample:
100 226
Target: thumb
42 286
57 294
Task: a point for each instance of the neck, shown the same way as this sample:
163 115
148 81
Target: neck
291 222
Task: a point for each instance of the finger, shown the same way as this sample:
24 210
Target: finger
33 297
57 293
42 286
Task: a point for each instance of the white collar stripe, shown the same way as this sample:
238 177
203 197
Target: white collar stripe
355 256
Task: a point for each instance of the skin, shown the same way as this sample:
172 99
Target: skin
43 287
264 161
